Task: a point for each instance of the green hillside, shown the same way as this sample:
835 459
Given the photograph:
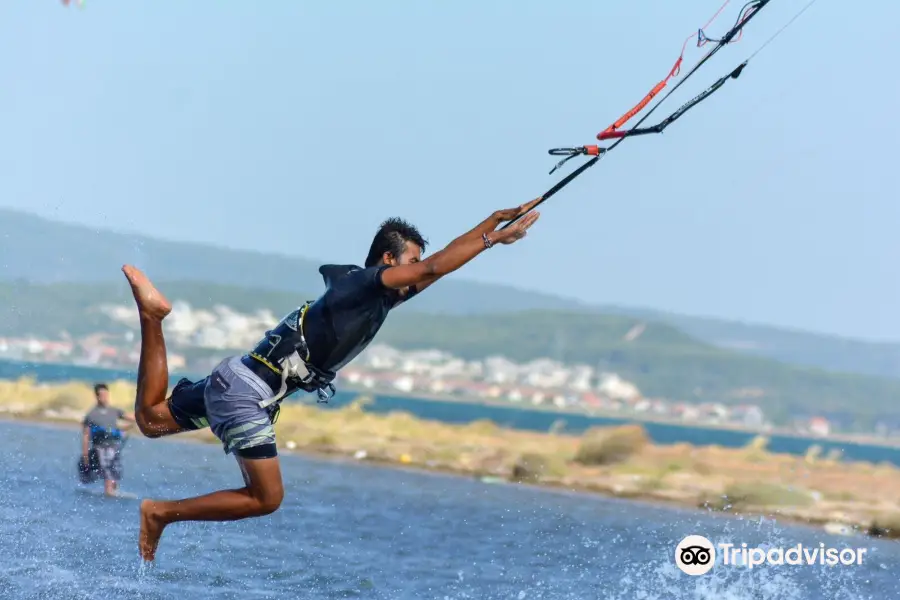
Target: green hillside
799 347
663 360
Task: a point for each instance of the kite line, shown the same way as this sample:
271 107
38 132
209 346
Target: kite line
615 131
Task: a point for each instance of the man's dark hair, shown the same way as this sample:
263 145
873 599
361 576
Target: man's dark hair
100 386
391 237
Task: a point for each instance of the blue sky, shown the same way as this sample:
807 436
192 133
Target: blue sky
297 126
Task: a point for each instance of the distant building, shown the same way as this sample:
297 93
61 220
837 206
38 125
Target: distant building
819 426
749 415
580 378
176 361
500 370
615 388
404 384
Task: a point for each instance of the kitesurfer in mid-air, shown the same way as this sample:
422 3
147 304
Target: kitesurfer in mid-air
240 399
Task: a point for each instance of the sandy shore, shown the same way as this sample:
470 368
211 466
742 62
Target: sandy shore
619 462
624 416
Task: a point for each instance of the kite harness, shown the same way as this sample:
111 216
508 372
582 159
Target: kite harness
615 131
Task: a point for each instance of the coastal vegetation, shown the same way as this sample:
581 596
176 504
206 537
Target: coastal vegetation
618 461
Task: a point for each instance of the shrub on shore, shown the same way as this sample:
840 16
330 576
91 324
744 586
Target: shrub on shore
604 446
532 467
758 494
885 526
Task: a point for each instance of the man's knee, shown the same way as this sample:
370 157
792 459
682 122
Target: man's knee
158 421
144 425
263 477
269 500
267 507
148 426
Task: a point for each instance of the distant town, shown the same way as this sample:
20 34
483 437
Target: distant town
197 339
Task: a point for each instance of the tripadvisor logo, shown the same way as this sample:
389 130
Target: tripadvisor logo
696 555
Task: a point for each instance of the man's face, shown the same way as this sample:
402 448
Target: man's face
103 397
412 253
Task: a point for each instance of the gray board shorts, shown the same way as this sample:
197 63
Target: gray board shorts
228 402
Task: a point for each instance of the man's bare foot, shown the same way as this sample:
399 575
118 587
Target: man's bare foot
152 527
151 303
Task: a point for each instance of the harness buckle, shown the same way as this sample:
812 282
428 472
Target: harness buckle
323 396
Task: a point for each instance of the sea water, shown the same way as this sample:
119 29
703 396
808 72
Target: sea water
349 530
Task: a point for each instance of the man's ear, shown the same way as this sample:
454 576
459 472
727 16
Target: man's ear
388 259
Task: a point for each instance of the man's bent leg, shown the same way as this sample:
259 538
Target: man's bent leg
262 495
232 398
153 417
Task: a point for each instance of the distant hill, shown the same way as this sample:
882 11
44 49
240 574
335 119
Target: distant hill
44 251
827 352
663 360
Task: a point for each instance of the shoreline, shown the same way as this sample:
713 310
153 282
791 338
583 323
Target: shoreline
629 418
635 418
650 498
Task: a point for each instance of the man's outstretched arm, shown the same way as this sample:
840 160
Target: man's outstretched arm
462 249
485 227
